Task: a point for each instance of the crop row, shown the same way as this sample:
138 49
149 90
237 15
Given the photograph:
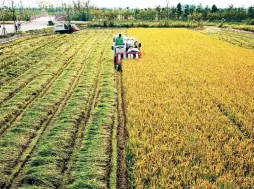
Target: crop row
14 85
75 152
21 62
242 39
16 141
189 112
91 164
20 51
12 109
18 46
227 82
55 148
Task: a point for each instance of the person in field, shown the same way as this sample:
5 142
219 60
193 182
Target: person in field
15 26
19 25
119 40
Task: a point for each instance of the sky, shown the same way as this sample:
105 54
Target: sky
146 3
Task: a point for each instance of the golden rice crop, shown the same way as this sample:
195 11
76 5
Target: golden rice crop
190 113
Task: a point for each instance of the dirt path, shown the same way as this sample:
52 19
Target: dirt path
122 135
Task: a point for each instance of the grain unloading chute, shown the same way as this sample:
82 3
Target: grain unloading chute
125 48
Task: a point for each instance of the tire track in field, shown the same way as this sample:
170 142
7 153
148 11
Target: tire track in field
82 124
7 79
19 88
26 154
24 55
234 121
122 136
112 174
40 93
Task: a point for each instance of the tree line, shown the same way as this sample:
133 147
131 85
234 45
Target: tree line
180 12
83 10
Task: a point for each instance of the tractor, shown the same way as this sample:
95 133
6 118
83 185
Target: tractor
130 49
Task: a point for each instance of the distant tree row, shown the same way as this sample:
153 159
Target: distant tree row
84 11
180 12
10 10
187 12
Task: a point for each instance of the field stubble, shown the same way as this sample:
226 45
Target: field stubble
57 116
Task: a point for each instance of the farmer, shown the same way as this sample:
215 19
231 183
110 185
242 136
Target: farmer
119 40
15 26
19 25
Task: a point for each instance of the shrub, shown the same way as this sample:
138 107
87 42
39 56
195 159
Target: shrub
251 22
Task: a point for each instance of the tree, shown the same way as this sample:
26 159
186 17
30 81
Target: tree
205 12
12 9
186 12
136 13
21 11
127 14
97 13
179 10
79 10
199 8
87 6
251 12
67 9
195 16
158 9
111 14
167 6
192 9
214 9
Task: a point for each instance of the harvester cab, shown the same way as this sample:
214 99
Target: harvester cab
129 49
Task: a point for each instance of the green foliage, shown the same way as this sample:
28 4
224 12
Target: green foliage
251 12
251 22
144 24
179 10
214 9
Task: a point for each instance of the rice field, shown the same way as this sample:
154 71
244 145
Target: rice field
180 117
189 111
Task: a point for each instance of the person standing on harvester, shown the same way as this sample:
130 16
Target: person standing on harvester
119 40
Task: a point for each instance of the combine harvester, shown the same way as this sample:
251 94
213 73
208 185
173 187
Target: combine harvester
129 49
61 26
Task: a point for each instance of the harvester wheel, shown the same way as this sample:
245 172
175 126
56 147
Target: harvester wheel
119 67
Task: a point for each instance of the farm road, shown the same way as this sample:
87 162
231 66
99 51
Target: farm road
39 23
